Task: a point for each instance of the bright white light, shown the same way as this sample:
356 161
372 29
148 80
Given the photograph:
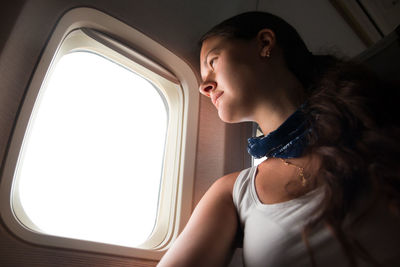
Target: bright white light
258 161
92 159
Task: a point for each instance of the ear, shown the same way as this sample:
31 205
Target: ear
266 41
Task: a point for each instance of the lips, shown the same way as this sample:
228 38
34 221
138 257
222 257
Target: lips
215 96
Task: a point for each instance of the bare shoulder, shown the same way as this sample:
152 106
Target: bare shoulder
225 183
219 195
209 237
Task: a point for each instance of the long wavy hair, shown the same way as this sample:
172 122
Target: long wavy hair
354 132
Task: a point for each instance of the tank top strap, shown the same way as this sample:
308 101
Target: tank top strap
241 186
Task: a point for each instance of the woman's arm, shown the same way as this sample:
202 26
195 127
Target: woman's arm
209 237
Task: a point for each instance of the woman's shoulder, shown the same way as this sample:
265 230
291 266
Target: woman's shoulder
236 177
228 182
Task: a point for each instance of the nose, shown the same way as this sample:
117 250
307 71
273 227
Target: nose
206 88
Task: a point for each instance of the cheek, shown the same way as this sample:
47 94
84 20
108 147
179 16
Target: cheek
240 72
235 107
243 84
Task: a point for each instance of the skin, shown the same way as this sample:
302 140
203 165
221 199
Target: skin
244 85
253 86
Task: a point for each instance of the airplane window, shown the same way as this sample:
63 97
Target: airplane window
93 154
103 151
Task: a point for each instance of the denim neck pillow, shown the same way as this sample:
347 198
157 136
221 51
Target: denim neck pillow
288 141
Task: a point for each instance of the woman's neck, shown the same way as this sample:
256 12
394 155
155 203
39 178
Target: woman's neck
269 116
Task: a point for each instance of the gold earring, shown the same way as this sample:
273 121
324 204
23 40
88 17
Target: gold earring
266 53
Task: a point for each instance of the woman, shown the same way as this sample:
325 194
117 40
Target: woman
331 146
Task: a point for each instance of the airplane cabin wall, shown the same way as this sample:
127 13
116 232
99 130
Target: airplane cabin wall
220 148
8 16
30 26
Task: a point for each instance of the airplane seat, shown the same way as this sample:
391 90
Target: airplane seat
384 51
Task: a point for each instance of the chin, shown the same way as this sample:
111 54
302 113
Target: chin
227 117
224 116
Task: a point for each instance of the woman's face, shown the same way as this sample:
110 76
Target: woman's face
230 70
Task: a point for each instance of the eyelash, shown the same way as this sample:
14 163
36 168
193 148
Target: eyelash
211 63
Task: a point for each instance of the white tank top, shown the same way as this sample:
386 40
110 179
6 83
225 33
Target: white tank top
272 232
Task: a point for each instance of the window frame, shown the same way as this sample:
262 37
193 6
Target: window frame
176 191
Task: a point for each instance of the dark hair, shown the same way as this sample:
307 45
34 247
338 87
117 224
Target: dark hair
304 65
353 132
